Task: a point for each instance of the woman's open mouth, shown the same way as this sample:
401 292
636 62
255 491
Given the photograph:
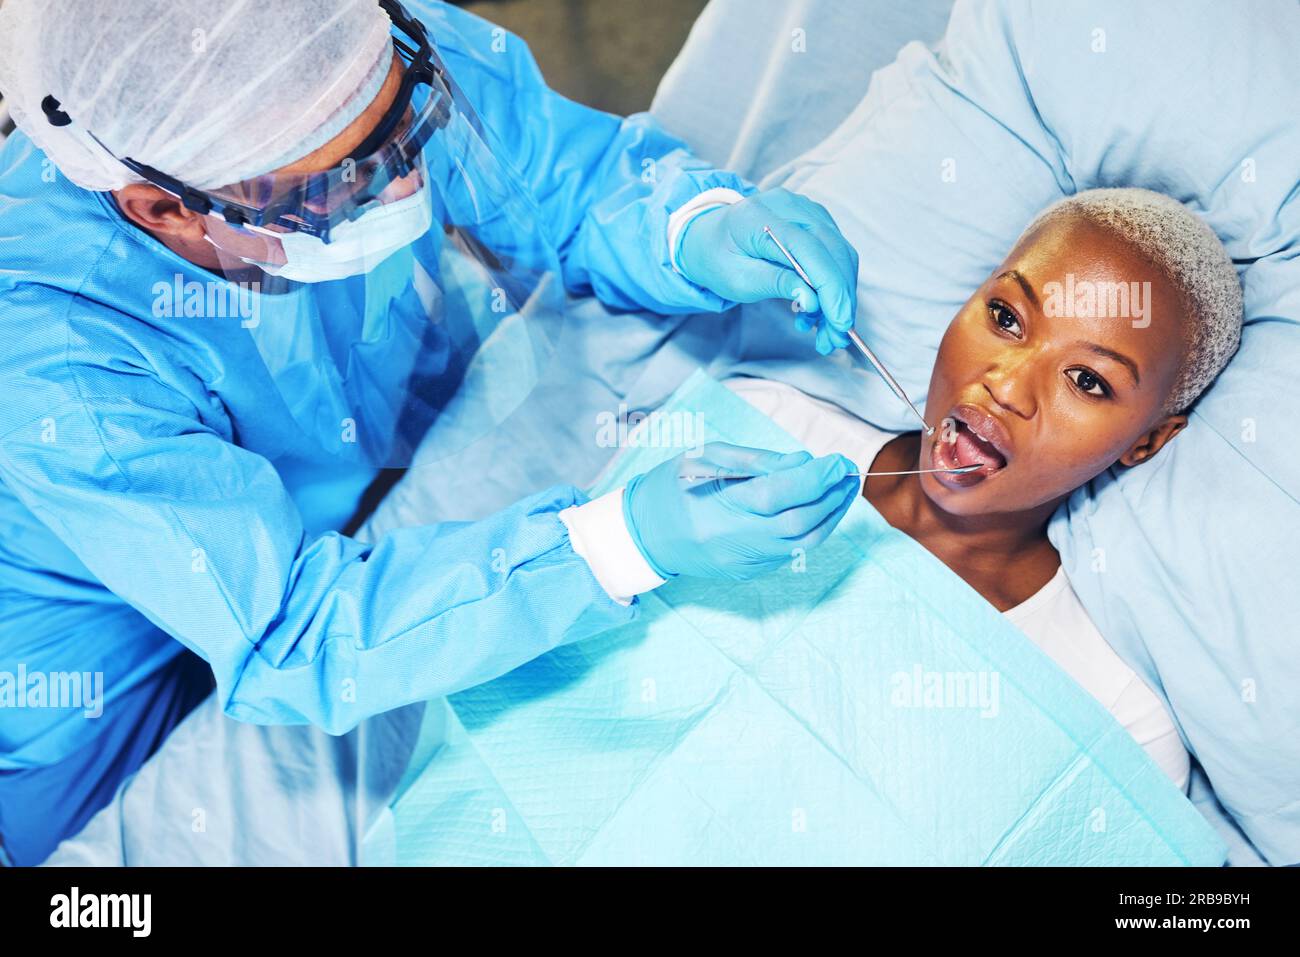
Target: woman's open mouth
967 436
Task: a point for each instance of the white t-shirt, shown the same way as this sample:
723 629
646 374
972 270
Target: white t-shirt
1053 618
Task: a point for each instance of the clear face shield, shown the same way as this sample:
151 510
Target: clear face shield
378 293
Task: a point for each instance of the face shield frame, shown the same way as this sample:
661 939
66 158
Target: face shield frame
389 153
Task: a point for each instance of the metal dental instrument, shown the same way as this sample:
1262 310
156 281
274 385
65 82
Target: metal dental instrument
856 340
718 476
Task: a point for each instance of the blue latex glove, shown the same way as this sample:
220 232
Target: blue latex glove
726 251
736 529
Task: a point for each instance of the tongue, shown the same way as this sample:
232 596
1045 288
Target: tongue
972 450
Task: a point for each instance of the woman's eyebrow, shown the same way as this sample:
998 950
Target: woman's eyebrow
1024 285
1095 348
1117 356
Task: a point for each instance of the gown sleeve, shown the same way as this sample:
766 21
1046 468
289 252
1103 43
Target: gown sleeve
201 536
605 185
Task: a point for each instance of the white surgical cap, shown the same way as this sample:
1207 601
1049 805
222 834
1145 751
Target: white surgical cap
208 91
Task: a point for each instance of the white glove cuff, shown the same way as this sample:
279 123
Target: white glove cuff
599 533
709 199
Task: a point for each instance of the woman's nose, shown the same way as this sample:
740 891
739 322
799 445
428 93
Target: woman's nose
1010 382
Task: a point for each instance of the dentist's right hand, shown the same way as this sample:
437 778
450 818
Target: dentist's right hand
736 529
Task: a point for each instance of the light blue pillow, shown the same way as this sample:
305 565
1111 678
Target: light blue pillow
1186 563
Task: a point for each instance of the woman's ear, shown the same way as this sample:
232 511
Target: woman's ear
1154 440
159 212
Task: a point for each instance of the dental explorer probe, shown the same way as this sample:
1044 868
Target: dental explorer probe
719 477
857 341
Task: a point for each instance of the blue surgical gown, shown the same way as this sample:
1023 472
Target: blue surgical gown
155 506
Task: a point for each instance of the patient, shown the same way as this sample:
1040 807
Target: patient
1083 350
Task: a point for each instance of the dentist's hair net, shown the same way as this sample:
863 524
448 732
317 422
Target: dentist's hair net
208 91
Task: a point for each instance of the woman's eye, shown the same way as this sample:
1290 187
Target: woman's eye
1004 318
1089 382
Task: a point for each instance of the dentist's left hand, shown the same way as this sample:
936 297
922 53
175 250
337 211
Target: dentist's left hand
736 529
726 251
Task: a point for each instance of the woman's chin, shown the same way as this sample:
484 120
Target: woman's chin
956 494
